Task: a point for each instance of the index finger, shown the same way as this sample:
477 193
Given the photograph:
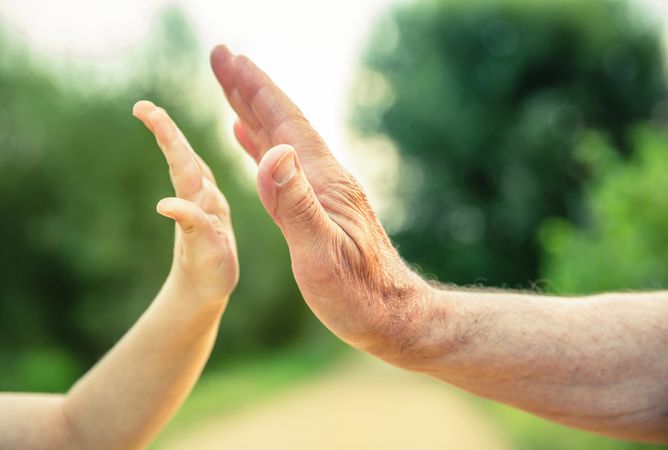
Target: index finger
268 112
185 170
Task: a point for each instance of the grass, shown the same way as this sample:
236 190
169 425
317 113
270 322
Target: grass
527 432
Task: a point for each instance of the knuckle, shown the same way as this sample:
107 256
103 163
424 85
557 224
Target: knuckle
284 124
224 206
304 208
348 193
217 225
218 200
191 167
188 168
195 224
189 228
209 173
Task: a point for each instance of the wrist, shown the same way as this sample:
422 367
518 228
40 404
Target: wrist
196 292
421 333
191 299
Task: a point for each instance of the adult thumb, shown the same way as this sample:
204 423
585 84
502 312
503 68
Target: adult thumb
289 197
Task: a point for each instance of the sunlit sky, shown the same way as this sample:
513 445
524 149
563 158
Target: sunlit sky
311 48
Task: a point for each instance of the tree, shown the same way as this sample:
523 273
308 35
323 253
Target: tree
83 250
623 242
488 101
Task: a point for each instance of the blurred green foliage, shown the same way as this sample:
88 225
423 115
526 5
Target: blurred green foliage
623 242
527 432
486 102
83 251
526 132
518 116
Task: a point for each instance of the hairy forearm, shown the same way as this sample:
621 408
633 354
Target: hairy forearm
135 389
597 363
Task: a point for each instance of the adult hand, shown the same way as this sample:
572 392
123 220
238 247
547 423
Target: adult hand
522 349
346 267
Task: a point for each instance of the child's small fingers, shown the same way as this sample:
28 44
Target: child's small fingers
204 167
189 216
141 110
185 169
173 144
215 202
203 241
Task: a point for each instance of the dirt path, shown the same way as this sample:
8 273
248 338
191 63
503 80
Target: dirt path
360 405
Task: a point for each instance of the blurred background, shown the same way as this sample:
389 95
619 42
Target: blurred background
506 143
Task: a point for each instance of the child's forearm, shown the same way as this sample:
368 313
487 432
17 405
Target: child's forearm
32 421
135 389
127 398
124 400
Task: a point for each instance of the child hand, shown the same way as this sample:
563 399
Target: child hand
205 262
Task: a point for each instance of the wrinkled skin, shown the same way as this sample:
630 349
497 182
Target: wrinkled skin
592 363
345 265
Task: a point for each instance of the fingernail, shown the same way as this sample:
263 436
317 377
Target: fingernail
285 169
162 208
135 108
142 104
